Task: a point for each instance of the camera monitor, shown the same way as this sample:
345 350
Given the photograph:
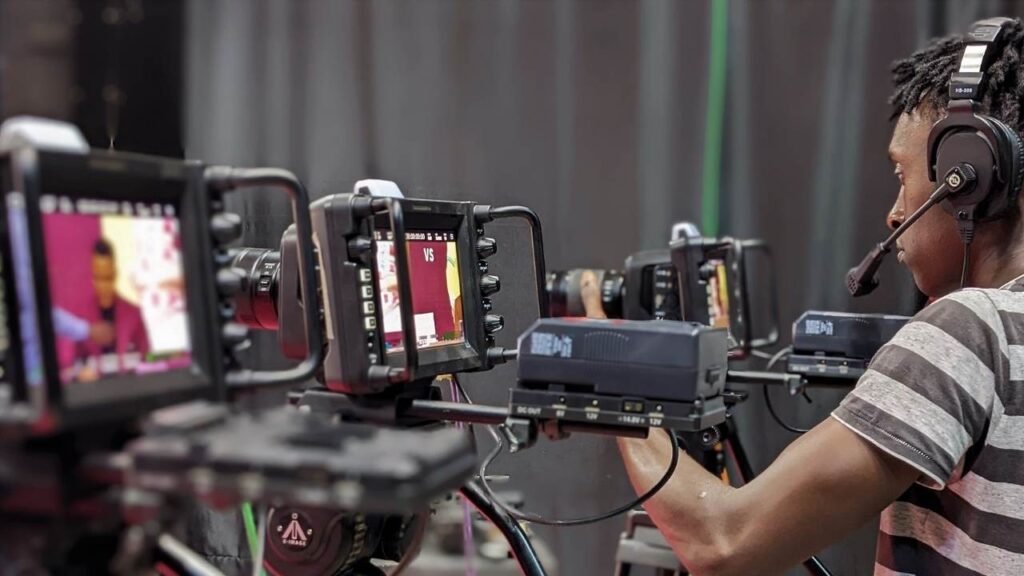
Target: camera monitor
439 238
108 314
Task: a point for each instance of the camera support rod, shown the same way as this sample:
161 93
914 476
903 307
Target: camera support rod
794 383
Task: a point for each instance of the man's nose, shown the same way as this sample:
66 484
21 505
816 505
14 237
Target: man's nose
896 214
894 220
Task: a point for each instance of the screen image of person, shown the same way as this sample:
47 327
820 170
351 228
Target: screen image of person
436 293
117 290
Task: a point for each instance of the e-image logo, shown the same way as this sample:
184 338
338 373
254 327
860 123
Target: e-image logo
296 533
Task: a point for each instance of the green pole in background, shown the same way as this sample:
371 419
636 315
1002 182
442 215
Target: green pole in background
714 121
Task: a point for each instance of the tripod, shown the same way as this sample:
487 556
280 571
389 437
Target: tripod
420 410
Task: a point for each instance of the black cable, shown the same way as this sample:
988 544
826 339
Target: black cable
534 518
414 547
499 445
777 418
768 399
967 265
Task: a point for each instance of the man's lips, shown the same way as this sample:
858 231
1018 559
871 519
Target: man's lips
899 254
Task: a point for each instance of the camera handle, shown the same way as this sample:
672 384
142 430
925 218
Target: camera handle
228 179
742 248
485 214
396 218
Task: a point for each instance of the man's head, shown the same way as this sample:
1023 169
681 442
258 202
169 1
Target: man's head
104 273
932 248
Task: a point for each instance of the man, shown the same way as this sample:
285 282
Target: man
933 434
130 336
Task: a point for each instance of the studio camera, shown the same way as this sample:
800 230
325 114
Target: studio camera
385 264
117 347
699 279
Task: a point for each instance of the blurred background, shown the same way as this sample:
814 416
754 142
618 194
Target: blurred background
612 119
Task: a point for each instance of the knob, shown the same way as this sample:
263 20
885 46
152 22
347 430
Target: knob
359 247
226 227
707 272
489 284
486 247
483 266
229 281
493 323
486 304
234 334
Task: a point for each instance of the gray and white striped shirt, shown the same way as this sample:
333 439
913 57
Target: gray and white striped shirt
946 396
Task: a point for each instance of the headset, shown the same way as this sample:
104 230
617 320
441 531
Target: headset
979 157
966 137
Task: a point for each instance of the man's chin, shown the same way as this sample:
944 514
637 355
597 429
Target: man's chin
934 290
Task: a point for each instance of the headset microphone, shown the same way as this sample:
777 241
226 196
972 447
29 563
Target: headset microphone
862 280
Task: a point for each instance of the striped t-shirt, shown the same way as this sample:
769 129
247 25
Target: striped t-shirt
946 396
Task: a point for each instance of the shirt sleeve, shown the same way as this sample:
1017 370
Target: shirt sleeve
928 394
69 326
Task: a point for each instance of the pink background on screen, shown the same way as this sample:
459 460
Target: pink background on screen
69 242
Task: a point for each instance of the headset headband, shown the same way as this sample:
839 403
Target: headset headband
981 44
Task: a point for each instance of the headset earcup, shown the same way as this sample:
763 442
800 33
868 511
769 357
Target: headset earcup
1011 164
1017 166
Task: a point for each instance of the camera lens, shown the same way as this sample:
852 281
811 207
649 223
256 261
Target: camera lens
563 288
256 303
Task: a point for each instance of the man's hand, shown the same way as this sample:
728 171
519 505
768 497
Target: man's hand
102 333
823 486
590 295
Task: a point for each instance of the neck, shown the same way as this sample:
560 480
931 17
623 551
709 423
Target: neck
993 264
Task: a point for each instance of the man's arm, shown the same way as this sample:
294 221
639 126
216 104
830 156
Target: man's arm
823 486
69 326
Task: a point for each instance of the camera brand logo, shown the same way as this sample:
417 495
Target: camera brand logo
294 535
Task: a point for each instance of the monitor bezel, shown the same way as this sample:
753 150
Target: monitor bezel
117 176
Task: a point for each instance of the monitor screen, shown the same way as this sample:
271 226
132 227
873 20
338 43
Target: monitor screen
718 294
117 287
435 276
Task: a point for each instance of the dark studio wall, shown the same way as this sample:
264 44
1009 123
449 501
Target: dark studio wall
592 112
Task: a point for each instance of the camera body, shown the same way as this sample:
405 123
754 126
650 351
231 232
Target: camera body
384 264
118 291
696 279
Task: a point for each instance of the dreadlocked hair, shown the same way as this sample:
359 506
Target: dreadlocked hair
922 81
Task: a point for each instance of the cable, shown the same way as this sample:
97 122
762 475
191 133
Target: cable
768 399
257 565
966 266
250 527
164 570
778 419
414 546
499 445
252 536
189 561
468 544
534 518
